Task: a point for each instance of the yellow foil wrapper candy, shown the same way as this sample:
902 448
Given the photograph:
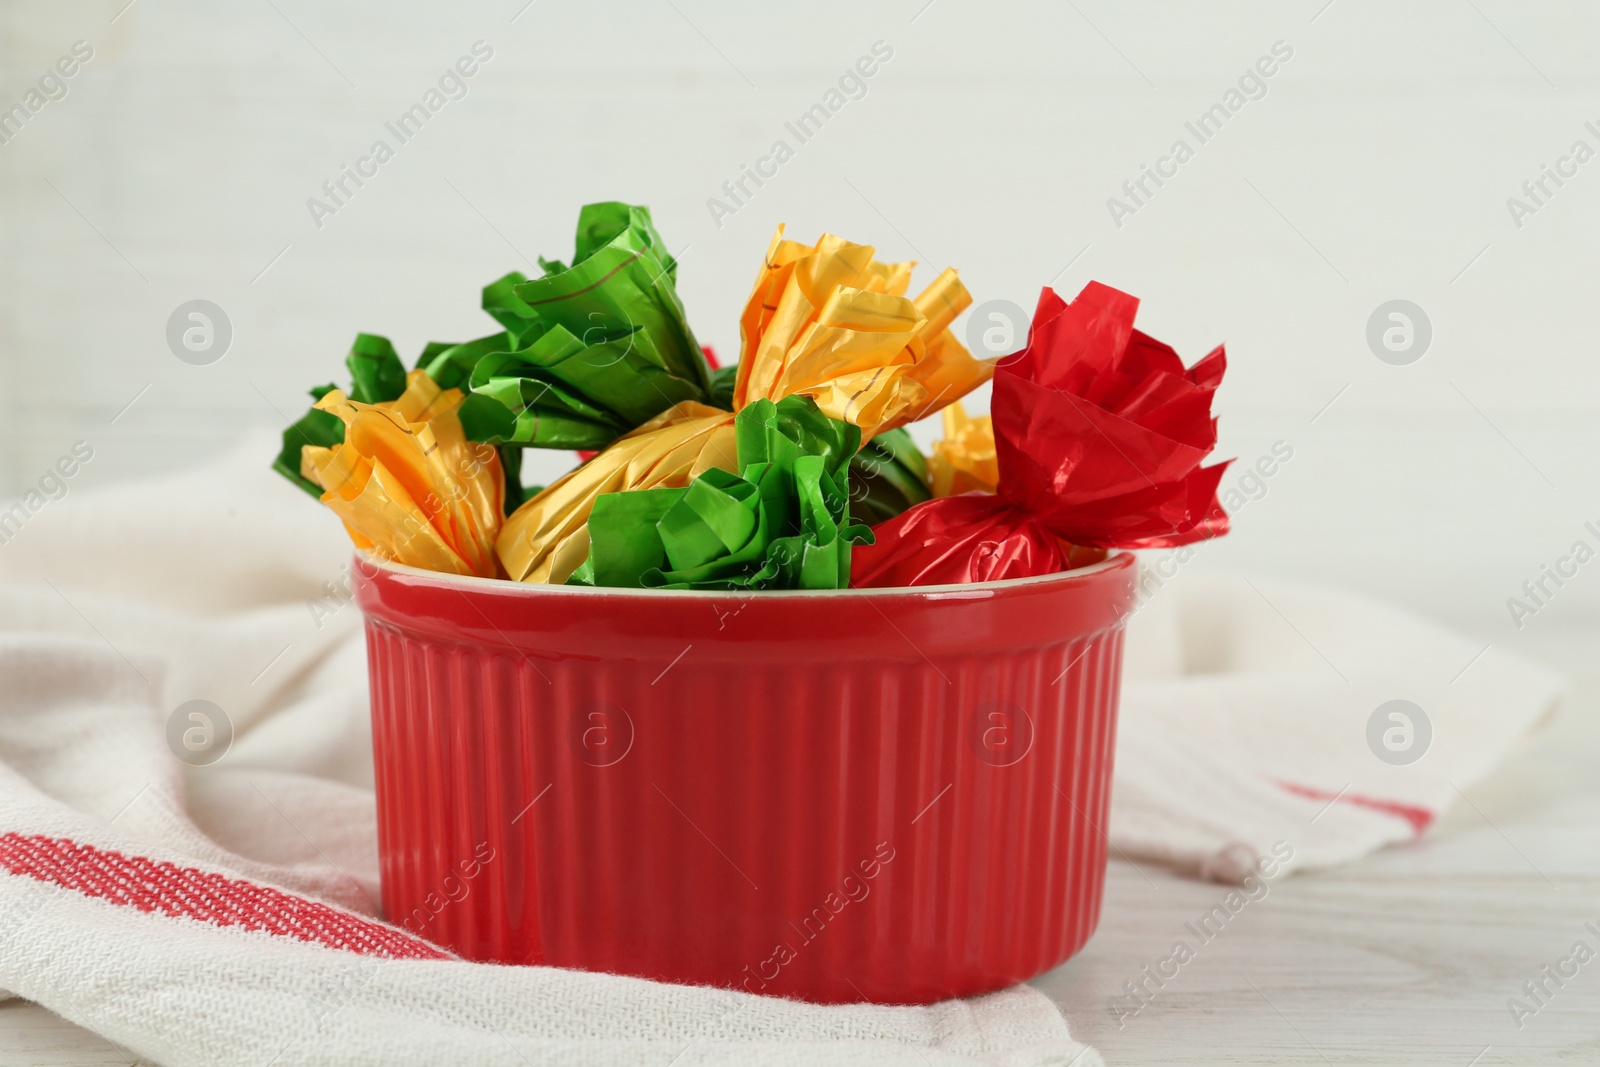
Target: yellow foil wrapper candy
406 482
830 323
825 321
547 538
964 460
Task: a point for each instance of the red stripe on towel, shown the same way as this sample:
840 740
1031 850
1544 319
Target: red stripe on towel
187 893
1419 818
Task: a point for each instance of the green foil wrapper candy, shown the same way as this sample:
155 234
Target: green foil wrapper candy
588 351
622 281
887 476
782 523
585 354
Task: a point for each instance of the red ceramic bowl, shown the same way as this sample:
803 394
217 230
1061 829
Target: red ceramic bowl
895 795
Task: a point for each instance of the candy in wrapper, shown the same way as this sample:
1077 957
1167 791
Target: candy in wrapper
1099 435
825 321
560 392
315 429
405 480
623 281
887 476
721 397
545 539
377 377
1106 430
589 351
963 461
829 322
781 523
975 537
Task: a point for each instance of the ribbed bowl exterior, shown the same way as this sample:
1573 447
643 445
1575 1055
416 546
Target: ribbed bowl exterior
889 795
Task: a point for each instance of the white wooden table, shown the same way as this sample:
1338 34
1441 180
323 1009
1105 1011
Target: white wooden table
1407 957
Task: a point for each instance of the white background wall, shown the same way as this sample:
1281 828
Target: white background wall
1376 167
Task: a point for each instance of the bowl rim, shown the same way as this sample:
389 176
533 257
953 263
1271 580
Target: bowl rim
1119 557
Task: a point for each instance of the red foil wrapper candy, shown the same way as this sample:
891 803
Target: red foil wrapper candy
1099 435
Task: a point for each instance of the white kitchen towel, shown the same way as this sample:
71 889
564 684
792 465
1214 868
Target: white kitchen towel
228 913
1262 718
